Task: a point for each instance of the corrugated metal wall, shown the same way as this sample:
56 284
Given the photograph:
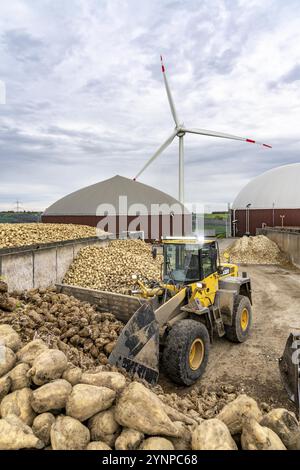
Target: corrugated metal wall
154 226
270 217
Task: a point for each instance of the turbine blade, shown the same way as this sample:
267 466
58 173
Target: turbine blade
224 136
171 102
157 153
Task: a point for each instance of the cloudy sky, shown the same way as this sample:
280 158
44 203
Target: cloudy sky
85 98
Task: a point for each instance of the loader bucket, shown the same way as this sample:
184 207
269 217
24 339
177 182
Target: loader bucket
290 368
137 349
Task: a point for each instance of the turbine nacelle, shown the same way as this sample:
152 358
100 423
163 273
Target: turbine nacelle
180 131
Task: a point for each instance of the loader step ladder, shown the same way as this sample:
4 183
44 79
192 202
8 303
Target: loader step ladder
218 321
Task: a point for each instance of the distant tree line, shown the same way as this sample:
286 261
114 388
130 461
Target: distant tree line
12 217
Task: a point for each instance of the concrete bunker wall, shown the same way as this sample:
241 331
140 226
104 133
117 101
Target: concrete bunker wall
42 265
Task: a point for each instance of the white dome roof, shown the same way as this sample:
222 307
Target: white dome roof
279 187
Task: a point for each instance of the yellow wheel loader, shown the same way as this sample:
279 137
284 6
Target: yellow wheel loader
196 299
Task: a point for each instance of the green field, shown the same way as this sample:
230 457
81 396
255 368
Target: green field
217 215
214 223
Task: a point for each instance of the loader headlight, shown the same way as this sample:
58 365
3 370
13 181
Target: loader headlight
134 277
199 284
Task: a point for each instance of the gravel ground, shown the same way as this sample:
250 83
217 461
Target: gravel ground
253 365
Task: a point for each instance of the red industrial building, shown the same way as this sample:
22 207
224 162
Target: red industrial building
271 199
119 205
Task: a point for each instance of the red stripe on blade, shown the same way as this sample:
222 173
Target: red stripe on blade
250 141
163 68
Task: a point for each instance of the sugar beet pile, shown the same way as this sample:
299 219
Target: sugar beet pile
46 402
111 267
13 235
256 250
85 335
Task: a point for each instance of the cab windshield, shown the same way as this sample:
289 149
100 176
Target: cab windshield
181 263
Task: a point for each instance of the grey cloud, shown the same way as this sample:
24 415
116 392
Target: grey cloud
292 76
15 137
225 63
22 45
25 111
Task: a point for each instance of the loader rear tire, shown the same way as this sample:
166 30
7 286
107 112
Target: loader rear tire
239 331
185 355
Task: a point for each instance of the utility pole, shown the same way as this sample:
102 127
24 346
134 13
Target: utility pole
228 221
18 206
248 219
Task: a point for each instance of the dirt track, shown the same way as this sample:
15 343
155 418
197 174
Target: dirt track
253 365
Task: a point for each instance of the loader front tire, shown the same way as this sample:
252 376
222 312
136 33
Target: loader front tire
185 355
239 331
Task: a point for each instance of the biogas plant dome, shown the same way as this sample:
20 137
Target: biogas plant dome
279 188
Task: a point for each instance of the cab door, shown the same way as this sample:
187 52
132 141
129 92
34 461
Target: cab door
209 276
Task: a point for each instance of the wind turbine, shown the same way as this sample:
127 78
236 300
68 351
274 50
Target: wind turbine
180 131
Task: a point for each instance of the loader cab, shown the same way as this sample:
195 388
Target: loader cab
187 261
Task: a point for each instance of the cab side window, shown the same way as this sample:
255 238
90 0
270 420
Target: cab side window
209 260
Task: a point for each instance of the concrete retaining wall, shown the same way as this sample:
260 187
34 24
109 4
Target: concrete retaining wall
288 241
40 265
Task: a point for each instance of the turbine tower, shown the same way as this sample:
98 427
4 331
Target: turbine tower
180 131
